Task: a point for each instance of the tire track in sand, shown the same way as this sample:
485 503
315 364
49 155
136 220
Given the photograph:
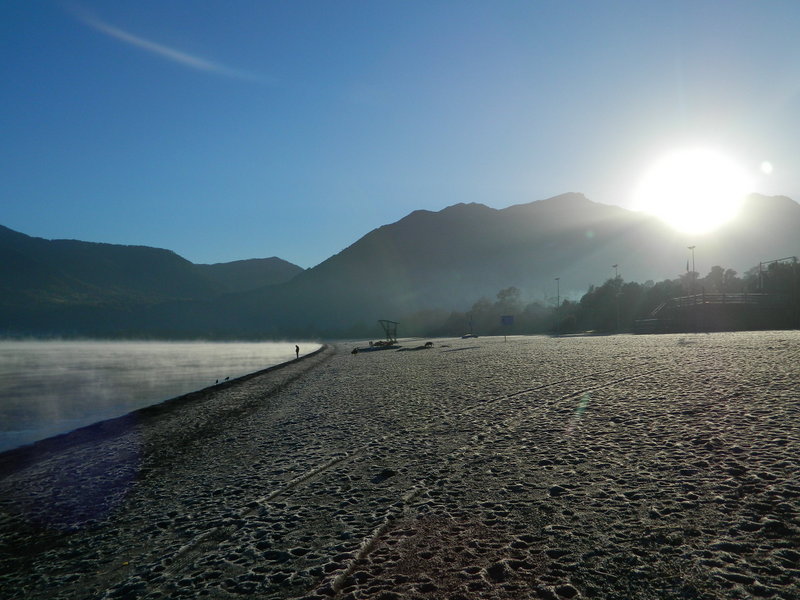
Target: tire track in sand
213 538
336 582
186 554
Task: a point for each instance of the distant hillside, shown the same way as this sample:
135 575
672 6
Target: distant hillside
69 271
442 260
767 228
451 258
243 275
54 281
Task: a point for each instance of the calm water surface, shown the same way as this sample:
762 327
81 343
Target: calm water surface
50 387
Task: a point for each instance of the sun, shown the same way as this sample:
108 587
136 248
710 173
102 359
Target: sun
694 190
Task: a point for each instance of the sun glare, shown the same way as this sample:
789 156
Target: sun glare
694 191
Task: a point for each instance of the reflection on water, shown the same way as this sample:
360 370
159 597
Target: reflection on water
50 387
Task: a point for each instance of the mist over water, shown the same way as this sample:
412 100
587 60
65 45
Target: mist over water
51 387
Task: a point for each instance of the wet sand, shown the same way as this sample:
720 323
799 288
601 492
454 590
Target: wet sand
598 467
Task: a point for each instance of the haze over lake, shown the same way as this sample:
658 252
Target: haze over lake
51 387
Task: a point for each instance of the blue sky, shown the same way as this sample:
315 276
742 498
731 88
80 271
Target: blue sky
243 129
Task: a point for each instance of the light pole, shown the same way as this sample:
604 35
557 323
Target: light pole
794 290
558 293
558 303
616 285
693 291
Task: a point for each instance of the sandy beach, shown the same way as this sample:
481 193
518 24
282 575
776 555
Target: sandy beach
574 467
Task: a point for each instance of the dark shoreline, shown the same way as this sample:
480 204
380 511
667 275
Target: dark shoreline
18 458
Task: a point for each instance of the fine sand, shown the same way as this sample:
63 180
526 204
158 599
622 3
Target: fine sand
575 467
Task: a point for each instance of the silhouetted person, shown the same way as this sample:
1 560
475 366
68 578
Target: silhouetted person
297 350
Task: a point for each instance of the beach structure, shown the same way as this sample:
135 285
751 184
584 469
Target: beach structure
390 329
720 312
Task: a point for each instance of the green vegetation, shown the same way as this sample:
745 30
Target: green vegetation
614 306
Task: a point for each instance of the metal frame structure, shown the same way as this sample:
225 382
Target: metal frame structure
390 329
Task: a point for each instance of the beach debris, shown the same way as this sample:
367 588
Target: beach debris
375 346
424 347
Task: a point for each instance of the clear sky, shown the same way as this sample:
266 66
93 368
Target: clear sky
236 129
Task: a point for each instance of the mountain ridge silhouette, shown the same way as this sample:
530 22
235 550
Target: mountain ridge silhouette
442 260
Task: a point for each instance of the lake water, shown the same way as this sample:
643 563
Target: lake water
51 387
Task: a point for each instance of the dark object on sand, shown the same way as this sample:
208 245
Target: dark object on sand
355 351
380 345
384 475
429 344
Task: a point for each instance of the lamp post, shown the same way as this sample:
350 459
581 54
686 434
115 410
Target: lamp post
794 290
558 303
693 291
558 293
616 296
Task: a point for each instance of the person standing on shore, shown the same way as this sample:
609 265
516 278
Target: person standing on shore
297 350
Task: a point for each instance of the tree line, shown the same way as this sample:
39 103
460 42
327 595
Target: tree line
615 305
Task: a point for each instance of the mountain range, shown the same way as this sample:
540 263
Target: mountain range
441 261
70 271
